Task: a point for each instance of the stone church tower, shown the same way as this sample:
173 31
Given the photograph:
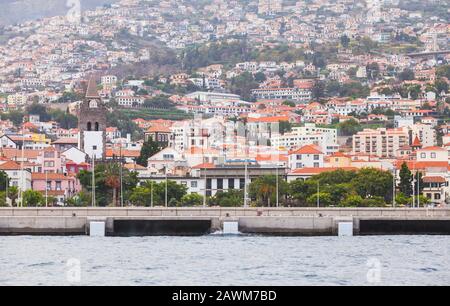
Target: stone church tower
92 123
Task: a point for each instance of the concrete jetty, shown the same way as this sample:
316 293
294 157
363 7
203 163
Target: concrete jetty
201 221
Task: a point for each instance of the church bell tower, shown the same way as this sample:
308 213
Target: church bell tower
92 123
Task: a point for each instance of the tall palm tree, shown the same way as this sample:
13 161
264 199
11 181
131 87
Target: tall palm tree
112 179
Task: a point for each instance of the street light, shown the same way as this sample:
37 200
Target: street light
318 194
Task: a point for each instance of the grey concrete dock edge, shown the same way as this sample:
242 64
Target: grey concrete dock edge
294 221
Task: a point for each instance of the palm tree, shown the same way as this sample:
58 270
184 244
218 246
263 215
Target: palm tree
112 179
13 194
264 188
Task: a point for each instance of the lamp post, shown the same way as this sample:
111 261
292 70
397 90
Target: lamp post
93 180
394 186
46 188
318 194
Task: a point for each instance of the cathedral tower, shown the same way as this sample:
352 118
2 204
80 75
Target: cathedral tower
92 123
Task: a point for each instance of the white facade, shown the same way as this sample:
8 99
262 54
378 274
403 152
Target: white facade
308 135
19 178
75 155
299 161
294 94
6 142
94 143
426 134
436 154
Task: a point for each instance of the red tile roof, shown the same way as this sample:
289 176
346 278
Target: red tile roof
10 165
309 149
204 166
434 179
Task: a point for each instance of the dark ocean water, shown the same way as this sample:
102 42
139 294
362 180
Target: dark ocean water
219 260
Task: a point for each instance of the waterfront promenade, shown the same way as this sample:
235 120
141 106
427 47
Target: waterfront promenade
283 221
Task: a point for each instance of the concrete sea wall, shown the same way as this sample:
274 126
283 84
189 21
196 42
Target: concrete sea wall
199 221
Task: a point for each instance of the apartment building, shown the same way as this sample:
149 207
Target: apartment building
309 134
380 142
294 94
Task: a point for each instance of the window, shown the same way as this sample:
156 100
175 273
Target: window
299 157
423 155
220 184
168 157
437 196
97 127
49 154
58 185
433 155
49 164
231 184
316 157
94 148
316 165
241 183
89 126
49 185
93 104
194 184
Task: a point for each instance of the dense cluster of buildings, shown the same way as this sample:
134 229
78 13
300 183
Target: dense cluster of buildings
229 140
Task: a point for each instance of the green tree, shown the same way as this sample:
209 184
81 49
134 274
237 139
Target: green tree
443 71
33 198
406 75
374 202
441 86
370 183
162 102
4 180
284 127
175 192
3 202
352 201
13 194
40 110
141 196
289 103
243 85
82 199
406 180
112 180
260 77
318 90
190 200
373 71
264 190
349 127
232 198
402 200
325 200
149 149
106 176
300 190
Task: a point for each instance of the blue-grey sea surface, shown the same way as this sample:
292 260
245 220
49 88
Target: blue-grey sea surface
225 260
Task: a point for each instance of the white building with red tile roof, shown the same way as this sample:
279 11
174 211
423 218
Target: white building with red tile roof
309 156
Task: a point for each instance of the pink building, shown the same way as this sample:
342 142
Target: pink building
57 185
50 161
